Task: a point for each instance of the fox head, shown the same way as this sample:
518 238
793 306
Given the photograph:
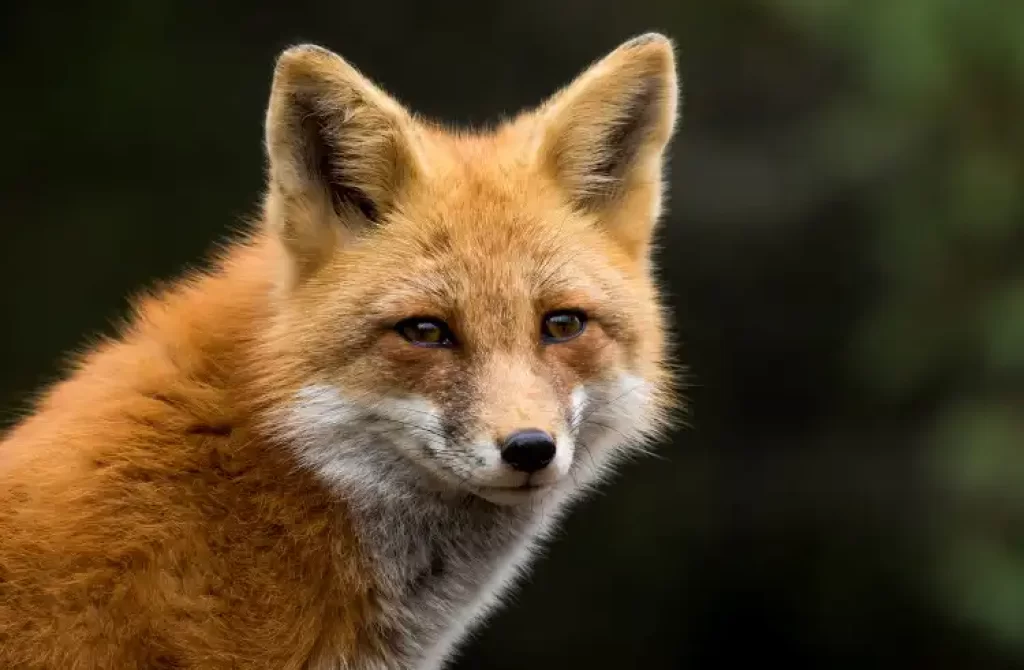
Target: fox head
475 311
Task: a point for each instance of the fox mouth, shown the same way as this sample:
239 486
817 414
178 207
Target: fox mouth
525 487
513 495
532 482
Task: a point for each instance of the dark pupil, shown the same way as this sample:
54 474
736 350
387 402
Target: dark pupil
424 331
563 325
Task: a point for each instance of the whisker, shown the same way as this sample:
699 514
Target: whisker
588 452
600 424
413 410
606 404
413 426
382 431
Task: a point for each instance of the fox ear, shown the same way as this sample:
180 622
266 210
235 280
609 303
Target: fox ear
339 150
604 136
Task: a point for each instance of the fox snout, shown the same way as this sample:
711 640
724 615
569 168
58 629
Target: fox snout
528 450
523 426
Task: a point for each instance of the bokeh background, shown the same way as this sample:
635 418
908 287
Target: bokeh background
844 253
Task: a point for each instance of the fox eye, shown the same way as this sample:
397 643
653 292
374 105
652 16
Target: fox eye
563 325
426 332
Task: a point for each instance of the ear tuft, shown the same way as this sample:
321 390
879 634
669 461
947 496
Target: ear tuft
646 39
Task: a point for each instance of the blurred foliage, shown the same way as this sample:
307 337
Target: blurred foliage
941 137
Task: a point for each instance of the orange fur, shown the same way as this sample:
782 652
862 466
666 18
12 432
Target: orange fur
145 523
149 518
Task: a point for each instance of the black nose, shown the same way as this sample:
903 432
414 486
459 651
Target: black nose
528 450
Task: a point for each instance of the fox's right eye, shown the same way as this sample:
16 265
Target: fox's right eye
426 332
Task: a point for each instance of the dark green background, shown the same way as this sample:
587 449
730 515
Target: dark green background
844 252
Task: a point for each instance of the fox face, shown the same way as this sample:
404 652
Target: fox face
474 311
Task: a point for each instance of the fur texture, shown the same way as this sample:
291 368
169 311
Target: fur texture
260 472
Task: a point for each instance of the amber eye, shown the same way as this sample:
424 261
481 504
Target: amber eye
562 326
426 332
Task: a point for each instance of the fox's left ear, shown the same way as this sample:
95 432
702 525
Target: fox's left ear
603 138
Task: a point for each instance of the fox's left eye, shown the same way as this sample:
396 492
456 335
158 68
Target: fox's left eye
426 332
563 325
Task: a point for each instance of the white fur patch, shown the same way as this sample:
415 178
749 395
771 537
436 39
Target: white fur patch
565 455
354 447
613 415
377 456
578 400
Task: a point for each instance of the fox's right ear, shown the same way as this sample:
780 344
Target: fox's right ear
339 150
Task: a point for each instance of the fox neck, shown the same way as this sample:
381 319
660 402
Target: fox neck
441 567
439 558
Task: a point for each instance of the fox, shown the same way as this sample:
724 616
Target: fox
340 443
